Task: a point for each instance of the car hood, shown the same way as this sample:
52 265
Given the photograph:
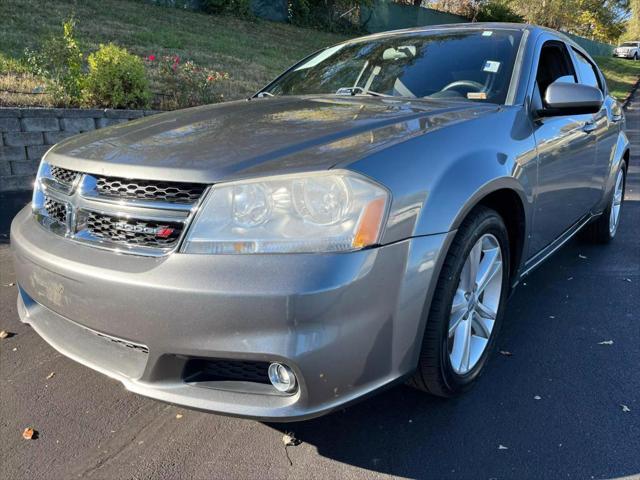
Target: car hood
237 139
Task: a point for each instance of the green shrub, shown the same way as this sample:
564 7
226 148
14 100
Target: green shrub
116 79
240 8
498 11
59 62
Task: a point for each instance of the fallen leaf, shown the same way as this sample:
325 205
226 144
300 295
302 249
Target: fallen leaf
582 256
50 376
625 408
537 397
627 280
28 433
606 342
502 447
4 334
178 416
14 349
552 316
290 440
506 353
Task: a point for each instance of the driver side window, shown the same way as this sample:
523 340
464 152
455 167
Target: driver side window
555 65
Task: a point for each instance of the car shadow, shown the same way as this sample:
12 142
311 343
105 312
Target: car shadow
10 204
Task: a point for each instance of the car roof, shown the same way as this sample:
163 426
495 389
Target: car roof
466 26
532 29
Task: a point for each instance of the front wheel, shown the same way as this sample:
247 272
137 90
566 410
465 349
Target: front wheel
467 307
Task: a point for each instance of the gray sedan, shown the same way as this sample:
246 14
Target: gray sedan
359 222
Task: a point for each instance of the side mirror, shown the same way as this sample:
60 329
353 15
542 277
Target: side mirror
570 99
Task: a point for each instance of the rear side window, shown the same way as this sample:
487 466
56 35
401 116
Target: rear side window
587 71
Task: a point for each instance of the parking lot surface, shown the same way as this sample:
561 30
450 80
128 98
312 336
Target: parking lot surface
564 404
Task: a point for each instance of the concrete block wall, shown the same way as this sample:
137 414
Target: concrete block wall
27 133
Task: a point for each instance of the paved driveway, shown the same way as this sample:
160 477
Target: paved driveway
551 410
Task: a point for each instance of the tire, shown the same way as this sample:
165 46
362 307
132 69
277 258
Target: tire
602 230
437 373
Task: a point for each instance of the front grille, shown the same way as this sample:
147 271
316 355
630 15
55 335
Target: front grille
148 217
134 232
207 370
63 175
149 190
55 209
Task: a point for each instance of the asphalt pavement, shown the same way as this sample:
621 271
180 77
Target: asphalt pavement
564 405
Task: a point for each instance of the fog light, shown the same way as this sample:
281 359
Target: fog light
282 378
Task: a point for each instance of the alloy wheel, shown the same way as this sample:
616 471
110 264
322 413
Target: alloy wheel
475 304
614 216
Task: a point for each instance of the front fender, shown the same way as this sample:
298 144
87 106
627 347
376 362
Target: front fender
437 177
617 157
468 181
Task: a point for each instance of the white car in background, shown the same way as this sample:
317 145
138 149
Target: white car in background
628 50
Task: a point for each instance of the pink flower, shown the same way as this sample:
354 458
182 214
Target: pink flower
151 58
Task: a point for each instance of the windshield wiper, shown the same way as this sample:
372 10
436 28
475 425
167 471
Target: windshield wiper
359 91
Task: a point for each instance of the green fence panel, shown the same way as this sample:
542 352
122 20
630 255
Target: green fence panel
595 49
387 15
274 10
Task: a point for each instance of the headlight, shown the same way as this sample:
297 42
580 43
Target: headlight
332 211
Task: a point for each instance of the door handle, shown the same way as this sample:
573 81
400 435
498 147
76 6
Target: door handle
590 126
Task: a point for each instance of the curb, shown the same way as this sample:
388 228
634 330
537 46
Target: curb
627 101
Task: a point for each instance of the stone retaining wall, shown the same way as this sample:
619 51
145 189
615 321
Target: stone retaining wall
27 133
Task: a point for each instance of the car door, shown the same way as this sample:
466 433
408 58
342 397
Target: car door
607 122
566 154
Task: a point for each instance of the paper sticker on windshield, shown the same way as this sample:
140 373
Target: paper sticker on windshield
487 33
491 66
477 95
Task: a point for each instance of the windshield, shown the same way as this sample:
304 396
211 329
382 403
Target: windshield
629 44
471 64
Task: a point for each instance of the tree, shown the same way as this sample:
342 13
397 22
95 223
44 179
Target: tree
602 20
633 22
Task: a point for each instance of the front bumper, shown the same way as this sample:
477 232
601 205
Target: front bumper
347 324
628 54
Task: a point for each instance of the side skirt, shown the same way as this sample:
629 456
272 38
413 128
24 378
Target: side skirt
539 258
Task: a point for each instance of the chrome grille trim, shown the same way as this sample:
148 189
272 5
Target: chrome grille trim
101 221
150 190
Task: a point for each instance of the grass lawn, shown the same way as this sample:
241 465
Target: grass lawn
252 52
621 74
